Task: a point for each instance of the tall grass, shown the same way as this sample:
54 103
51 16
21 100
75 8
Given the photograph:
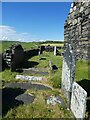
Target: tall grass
82 71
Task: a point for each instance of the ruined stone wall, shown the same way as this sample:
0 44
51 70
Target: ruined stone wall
77 28
30 53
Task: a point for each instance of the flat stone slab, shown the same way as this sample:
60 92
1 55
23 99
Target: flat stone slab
25 98
53 100
35 71
31 78
32 69
28 86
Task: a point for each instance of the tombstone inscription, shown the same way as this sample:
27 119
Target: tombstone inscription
78 101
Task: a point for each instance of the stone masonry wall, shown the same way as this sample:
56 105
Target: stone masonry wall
77 28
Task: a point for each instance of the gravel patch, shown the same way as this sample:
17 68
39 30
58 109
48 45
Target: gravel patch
25 98
27 86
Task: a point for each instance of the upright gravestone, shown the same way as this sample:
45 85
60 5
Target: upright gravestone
68 71
50 64
78 101
55 50
39 52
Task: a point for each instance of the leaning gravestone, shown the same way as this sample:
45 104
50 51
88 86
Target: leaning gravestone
68 71
78 101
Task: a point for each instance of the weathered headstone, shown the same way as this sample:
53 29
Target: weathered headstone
42 48
68 71
50 64
55 48
78 101
38 52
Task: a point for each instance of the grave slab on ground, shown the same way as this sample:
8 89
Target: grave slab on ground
25 98
28 86
32 71
31 78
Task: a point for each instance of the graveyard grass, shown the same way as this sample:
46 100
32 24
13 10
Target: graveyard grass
39 109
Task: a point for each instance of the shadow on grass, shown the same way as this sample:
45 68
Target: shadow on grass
88 108
85 84
42 58
8 98
19 70
54 67
29 64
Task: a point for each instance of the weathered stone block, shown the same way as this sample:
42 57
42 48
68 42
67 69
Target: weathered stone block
74 8
87 11
81 9
71 10
75 21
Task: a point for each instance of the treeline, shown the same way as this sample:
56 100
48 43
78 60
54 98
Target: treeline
61 42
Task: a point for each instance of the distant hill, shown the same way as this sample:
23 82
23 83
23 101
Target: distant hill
53 42
26 45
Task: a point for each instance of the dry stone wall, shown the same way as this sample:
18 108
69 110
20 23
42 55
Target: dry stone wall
77 28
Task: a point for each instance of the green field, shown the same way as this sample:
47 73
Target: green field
53 44
6 44
39 109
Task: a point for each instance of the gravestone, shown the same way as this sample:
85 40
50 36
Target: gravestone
38 52
68 71
78 101
42 48
50 64
55 48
